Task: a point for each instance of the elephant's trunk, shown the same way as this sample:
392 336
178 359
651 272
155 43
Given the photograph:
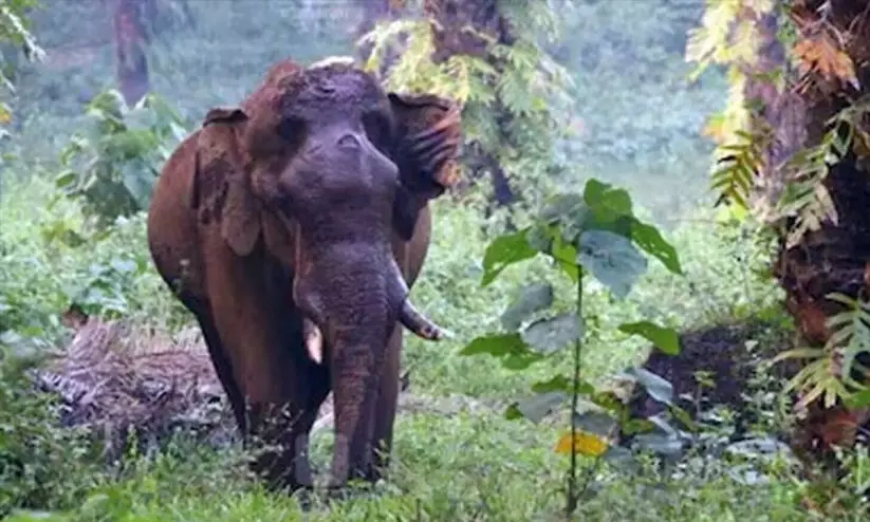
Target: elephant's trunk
352 301
352 305
409 316
356 381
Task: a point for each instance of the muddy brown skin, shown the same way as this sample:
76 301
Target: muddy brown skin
307 204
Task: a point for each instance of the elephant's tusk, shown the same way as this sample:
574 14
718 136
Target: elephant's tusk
418 323
412 319
313 340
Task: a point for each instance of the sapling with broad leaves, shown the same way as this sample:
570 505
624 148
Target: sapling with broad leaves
595 233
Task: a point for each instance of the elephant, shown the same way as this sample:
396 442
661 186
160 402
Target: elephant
293 226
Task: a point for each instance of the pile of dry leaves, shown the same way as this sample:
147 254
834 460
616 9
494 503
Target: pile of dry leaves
113 380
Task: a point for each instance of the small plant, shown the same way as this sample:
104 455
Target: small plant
596 234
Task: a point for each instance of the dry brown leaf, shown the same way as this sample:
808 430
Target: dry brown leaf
840 428
821 54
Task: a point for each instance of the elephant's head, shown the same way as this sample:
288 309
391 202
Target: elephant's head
326 167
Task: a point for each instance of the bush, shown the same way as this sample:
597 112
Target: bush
42 466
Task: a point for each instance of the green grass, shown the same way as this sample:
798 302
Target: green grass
469 467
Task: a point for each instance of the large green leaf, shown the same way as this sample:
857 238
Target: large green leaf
537 407
548 239
503 252
520 361
607 202
612 210
859 399
657 387
497 345
648 238
552 334
597 422
569 213
612 259
562 383
510 348
665 339
533 298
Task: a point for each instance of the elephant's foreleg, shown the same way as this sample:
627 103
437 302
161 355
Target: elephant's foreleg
288 465
385 406
262 339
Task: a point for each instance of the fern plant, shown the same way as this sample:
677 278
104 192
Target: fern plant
729 36
828 375
818 77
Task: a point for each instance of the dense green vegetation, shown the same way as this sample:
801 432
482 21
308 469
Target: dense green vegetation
639 128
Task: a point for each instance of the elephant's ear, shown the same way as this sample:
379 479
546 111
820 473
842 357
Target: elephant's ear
222 190
428 134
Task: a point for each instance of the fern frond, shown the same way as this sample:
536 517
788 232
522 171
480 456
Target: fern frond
850 333
737 167
805 197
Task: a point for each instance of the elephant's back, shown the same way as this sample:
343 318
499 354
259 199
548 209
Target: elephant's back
172 233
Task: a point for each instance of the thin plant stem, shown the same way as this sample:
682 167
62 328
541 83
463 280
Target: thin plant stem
578 354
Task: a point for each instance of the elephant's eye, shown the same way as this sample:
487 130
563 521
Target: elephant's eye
290 127
377 128
292 130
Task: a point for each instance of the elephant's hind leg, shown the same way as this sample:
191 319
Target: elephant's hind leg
223 369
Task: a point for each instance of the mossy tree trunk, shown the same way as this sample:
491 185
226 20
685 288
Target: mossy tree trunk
835 257
450 18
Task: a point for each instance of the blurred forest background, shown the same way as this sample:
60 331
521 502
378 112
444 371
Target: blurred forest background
633 109
628 110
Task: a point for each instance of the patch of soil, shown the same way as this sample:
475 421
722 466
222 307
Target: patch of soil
737 356
731 354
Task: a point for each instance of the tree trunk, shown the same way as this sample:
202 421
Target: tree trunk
373 11
449 18
836 257
130 41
